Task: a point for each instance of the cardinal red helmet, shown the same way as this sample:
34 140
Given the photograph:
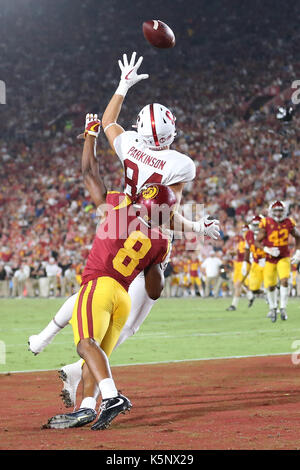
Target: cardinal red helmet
245 228
254 224
155 204
277 211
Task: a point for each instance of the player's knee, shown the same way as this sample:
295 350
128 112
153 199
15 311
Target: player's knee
85 346
284 282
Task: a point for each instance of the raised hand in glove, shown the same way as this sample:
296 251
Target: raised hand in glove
129 76
208 227
92 125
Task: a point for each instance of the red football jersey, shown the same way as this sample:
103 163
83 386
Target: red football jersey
257 253
240 248
277 234
123 246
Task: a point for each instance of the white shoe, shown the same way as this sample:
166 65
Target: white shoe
70 376
36 344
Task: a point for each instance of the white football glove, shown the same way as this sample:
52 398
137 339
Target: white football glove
244 268
272 251
129 76
208 227
296 257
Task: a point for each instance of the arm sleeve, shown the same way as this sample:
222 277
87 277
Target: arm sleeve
248 241
163 253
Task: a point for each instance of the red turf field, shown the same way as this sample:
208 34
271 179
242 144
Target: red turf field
250 403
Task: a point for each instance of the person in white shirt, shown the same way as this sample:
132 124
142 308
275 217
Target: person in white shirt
52 271
19 279
5 274
211 268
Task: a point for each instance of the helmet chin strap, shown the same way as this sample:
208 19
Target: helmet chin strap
161 148
148 224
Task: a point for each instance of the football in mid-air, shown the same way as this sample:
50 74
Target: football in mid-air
158 34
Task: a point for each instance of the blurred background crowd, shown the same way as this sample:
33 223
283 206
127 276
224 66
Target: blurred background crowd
232 67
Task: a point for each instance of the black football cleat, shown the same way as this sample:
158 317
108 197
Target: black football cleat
231 308
251 301
72 420
110 409
283 314
273 315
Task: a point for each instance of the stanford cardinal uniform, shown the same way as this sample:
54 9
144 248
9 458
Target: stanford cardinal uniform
143 165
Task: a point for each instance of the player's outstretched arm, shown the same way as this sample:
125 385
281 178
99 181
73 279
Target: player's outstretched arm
245 264
129 77
179 223
296 257
89 163
154 281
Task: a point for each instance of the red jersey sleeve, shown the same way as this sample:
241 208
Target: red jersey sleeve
163 253
249 239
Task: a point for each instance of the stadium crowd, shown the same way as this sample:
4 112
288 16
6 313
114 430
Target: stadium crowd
223 85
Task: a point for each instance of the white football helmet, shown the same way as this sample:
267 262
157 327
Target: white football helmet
277 211
254 224
156 126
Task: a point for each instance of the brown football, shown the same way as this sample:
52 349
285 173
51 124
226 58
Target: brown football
158 34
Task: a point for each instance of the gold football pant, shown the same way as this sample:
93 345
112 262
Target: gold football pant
101 310
275 271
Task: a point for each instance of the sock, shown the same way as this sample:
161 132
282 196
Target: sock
272 298
64 314
235 301
250 295
88 402
107 388
283 296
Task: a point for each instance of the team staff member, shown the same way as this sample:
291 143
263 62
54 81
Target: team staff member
211 268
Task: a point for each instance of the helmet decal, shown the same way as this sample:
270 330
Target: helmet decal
150 192
170 116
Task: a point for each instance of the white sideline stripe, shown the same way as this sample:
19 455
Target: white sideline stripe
160 362
143 336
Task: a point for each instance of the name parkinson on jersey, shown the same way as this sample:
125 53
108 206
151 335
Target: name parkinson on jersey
146 159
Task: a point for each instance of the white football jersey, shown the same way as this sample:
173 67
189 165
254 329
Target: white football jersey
143 165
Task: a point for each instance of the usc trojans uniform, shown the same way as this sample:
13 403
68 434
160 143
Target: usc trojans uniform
103 303
237 263
256 273
277 235
195 279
